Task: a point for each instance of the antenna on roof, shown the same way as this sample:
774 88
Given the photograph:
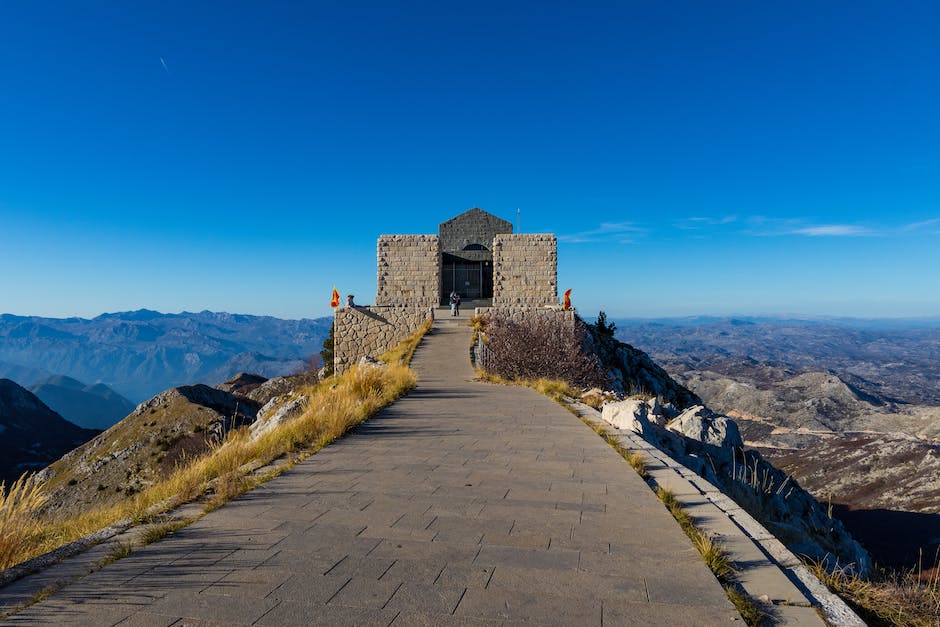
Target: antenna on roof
518 220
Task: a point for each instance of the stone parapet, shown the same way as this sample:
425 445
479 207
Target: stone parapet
409 270
525 270
524 315
361 331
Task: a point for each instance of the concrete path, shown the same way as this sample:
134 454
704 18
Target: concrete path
462 503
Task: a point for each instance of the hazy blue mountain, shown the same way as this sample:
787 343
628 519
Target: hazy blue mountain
32 435
23 375
141 353
91 406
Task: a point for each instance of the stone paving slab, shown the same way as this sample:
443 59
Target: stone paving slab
462 503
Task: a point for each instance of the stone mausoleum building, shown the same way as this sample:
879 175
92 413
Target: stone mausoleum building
475 253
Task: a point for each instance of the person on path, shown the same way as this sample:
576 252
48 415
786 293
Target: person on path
454 303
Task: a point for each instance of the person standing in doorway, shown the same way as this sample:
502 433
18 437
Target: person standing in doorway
454 303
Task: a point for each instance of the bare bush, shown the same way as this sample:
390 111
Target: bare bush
542 348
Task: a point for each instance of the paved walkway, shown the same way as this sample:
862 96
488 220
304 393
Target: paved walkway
462 503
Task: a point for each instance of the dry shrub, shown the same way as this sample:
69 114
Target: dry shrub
542 348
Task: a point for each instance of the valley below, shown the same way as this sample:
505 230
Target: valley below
851 409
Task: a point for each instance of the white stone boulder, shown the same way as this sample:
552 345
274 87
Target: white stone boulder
704 425
274 413
631 414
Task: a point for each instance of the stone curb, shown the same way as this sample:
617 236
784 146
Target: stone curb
57 555
712 511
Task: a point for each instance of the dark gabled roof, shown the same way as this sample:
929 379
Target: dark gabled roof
475 214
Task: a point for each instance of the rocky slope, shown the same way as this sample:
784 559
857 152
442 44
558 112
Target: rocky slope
852 413
673 418
144 447
711 445
31 434
140 353
180 423
631 371
91 406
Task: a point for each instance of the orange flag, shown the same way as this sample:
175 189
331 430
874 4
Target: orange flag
567 302
334 303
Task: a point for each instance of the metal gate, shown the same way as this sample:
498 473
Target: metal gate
464 277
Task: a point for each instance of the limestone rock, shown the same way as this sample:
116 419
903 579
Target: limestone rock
707 427
275 413
272 388
630 415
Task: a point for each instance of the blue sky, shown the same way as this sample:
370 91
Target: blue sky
692 157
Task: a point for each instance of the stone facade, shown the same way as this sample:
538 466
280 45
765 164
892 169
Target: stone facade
525 270
520 270
470 235
409 270
362 331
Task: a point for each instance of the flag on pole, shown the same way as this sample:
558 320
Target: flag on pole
334 303
566 304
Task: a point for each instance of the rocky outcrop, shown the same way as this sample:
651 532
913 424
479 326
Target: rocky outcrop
276 412
242 383
631 371
710 444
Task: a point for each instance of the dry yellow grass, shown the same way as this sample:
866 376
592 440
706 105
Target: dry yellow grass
19 528
900 599
336 405
552 388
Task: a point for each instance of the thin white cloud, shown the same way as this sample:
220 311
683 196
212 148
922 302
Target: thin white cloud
163 63
762 226
621 232
832 230
698 223
923 224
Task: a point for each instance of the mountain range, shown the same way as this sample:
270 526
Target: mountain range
140 353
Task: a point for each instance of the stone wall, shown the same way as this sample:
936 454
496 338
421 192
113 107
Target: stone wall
409 270
525 270
371 331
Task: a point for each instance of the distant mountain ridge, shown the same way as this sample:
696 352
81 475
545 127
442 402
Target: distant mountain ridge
894 360
140 353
